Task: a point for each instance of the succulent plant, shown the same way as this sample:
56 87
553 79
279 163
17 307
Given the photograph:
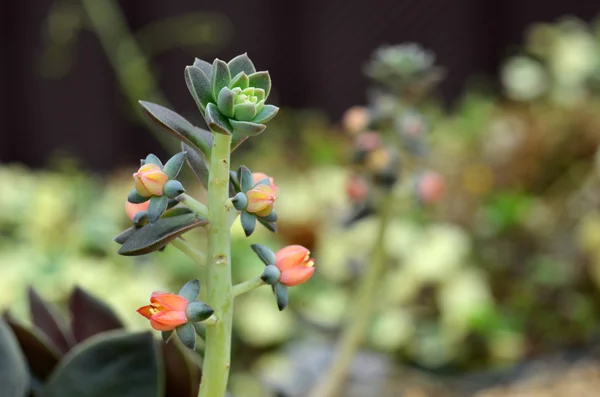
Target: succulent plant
93 356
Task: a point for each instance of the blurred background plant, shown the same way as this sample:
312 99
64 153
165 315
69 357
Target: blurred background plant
506 268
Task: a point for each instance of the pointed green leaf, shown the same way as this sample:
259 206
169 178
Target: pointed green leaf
187 335
220 77
272 217
115 363
152 159
216 121
47 320
39 351
272 226
204 66
261 80
266 114
240 80
173 166
248 223
190 290
204 141
281 294
150 238
246 178
198 311
174 124
135 198
198 164
264 253
177 211
225 102
244 111
241 63
14 377
90 316
157 206
246 128
199 86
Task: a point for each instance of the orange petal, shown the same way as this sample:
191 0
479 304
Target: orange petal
154 182
296 275
170 301
145 311
290 256
140 188
168 320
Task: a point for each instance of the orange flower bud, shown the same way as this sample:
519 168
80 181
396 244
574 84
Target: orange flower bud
133 209
165 311
150 180
257 176
430 187
295 265
260 200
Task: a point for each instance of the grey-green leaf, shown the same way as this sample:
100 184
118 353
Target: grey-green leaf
220 77
246 128
248 223
198 164
173 166
199 86
153 159
272 226
261 80
266 114
240 80
216 121
225 102
190 290
157 206
241 63
244 112
281 294
151 238
204 66
14 377
246 178
264 253
115 363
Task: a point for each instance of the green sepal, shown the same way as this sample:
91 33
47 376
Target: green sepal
152 159
244 129
244 111
264 253
281 294
173 166
264 181
158 205
220 77
240 80
151 238
198 311
259 93
200 330
135 198
169 213
216 121
190 290
140 218
271 275
261 80
225 102
246 179
187 335
240 201
272 226
199 86
266 114
272 217
204 66
248 222
166 335
173 188
124 235
241 63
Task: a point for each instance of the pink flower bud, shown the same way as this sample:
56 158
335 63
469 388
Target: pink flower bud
133 209
295 265
165 311
257 176
368 141
260 200
150 180
430 187
355 119
357 189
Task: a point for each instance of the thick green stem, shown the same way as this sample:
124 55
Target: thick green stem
331 382
194 205
247 286
197 256
219 289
